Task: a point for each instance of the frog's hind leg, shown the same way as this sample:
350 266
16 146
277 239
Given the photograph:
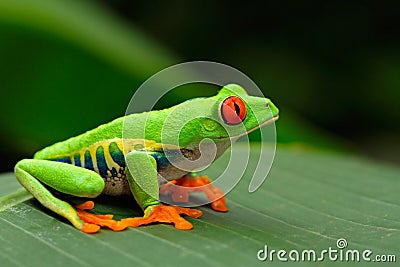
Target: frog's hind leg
65 178
181 188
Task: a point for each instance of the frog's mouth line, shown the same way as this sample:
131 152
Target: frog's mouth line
273 119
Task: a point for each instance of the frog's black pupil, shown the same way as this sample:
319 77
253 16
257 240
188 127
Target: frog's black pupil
237 108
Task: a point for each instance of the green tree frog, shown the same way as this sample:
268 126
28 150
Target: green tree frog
103 161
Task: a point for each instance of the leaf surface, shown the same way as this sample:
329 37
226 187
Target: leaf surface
309 200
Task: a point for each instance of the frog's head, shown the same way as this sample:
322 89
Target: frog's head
235 113
229 114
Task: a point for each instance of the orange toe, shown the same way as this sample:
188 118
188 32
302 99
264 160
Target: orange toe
88 205
216 196
194 213
90 228
219 205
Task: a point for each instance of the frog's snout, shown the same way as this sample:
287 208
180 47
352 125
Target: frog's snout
271 106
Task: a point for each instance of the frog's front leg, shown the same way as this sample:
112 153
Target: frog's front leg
65 178
181 188
143 181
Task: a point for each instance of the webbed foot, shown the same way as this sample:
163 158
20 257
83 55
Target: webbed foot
94 221
165 214
159 213
179 190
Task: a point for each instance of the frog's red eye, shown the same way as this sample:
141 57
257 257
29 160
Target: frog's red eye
233 110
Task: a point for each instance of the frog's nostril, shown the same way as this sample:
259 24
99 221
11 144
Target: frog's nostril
266 105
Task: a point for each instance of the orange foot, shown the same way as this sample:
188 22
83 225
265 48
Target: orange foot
165 214
94 221
159 213
180 189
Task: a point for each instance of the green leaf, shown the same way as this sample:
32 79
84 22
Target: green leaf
309 200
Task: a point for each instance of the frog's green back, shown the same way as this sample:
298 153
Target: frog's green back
132 125
110 130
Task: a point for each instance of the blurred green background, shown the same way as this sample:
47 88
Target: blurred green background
332 68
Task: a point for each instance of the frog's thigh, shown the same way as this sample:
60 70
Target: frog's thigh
142 177
65 178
